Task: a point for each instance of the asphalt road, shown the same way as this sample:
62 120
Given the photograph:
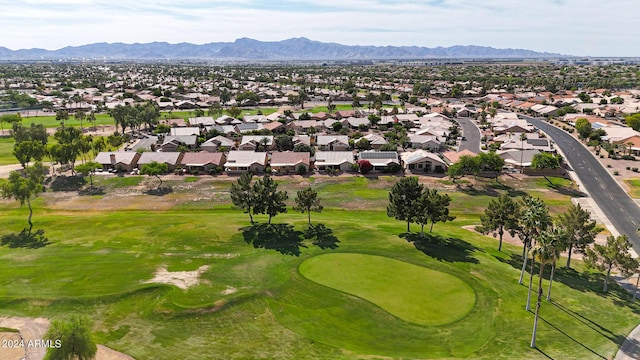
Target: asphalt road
471 133
615 203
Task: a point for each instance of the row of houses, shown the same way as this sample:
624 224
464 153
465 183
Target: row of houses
280 162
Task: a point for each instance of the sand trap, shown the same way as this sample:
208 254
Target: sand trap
34 329
181 279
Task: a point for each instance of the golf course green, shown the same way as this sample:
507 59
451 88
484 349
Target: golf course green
412 293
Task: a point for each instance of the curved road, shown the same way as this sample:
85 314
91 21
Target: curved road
615 203
471 133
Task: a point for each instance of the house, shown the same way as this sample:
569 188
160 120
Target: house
184 131
202 121
306 125
175 122
256 142
172 159
248 127
518 159
202 162
453 156
125 160
242 161
275 127
355 122
423 161
215 143
428 142
381 160
287 162
301 139
340 160
332 142
341 114
376 141
171 143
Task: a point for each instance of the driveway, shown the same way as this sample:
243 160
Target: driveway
471 133
615 203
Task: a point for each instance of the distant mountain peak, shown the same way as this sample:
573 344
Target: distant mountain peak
297 48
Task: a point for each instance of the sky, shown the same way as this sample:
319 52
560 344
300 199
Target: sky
571 27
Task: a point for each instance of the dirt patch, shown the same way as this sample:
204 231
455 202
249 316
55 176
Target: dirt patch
229 290
181 279
33 331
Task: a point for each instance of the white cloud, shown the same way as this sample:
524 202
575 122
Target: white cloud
580 27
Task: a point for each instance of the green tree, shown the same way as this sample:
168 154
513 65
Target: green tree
534 219
583 127
581 231
502 213
402 199
25 151
613 255
62 116
490 162
466 165
25 186
156 169
284 142
234 112
634 121
545 251
544 160
242 194
69 145
9 119
87 169
74 338
80 115
268 199
215 109
307 200
433 207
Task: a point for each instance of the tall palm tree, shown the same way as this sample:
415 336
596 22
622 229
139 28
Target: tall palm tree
545 251
558 237
523 138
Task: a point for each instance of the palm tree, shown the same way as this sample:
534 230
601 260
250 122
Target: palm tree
558 239
523 138
545 250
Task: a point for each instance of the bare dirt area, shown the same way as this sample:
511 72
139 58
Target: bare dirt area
32 331
181 279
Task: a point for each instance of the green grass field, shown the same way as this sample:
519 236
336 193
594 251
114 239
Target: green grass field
397 287
6 151
256 302
634 186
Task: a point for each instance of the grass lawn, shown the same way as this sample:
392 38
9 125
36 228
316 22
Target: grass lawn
6 151
255 301
634 186
397 287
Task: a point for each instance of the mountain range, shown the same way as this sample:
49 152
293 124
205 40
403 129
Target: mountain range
246 49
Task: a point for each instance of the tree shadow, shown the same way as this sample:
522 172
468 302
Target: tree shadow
441 248
92 190
581 281
68 183
280 237
323 237
590 323
566 190
25 239
572 338
630 348
162 191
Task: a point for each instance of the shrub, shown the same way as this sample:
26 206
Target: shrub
628 157
608 165
628 168
364 166
634 169
615 172
301 169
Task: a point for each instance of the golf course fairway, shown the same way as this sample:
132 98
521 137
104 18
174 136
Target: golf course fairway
410 292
